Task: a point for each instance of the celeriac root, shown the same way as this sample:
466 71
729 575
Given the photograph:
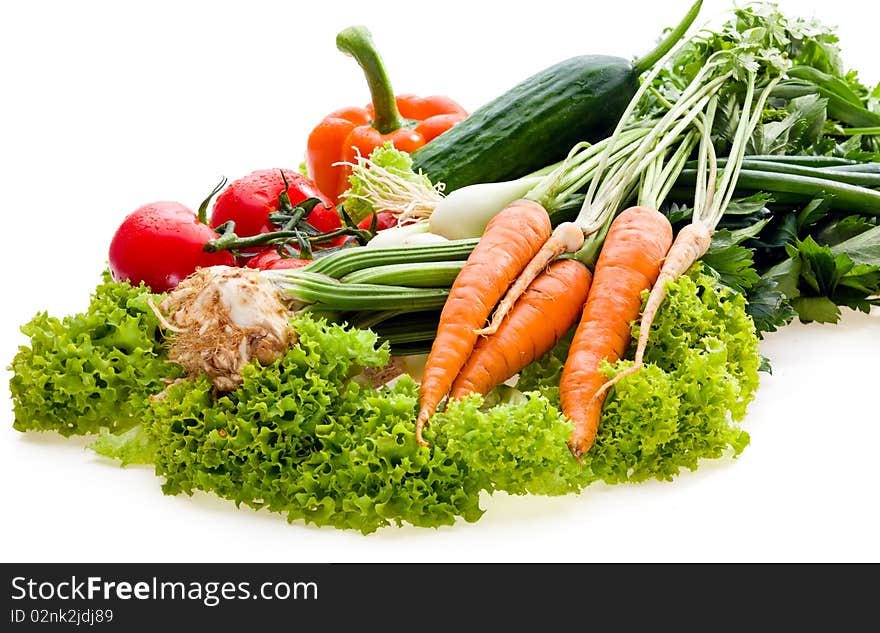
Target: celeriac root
221 318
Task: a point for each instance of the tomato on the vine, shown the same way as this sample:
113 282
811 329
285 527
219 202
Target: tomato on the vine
248 202
160 244
384 220
271 260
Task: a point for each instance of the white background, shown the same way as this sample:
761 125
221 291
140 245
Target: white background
106 106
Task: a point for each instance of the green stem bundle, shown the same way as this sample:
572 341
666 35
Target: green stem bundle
396 291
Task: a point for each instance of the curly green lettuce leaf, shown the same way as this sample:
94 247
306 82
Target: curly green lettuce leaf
135 446
306 438
518 448
300 437
701 373
91 370
698 314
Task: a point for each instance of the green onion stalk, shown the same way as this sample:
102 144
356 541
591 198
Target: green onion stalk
367 287
465 212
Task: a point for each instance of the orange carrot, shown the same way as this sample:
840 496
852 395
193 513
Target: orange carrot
509 242
543 314
566 238
629 263
690 244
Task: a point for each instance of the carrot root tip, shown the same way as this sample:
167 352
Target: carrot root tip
421 423
575 452
419 439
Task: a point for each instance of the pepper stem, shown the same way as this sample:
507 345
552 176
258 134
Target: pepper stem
357 42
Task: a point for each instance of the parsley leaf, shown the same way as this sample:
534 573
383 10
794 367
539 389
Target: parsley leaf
768 306
862 248
831 276
732 263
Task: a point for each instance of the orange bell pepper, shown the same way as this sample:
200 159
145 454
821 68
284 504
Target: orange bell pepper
407 121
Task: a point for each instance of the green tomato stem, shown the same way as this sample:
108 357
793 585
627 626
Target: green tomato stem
229 241
203 207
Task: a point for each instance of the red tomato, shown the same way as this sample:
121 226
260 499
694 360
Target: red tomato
384 220
248 202
271 260
161 244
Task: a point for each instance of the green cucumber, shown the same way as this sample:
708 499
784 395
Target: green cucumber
538 121
532 125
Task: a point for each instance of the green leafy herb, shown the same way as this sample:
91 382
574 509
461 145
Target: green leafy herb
830 278
769 307
818 108
733 263
793 129
841 230
863 247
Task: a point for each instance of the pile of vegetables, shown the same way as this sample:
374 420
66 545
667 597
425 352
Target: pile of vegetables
308 437
567 286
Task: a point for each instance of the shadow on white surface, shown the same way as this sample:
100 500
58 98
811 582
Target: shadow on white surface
53 439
